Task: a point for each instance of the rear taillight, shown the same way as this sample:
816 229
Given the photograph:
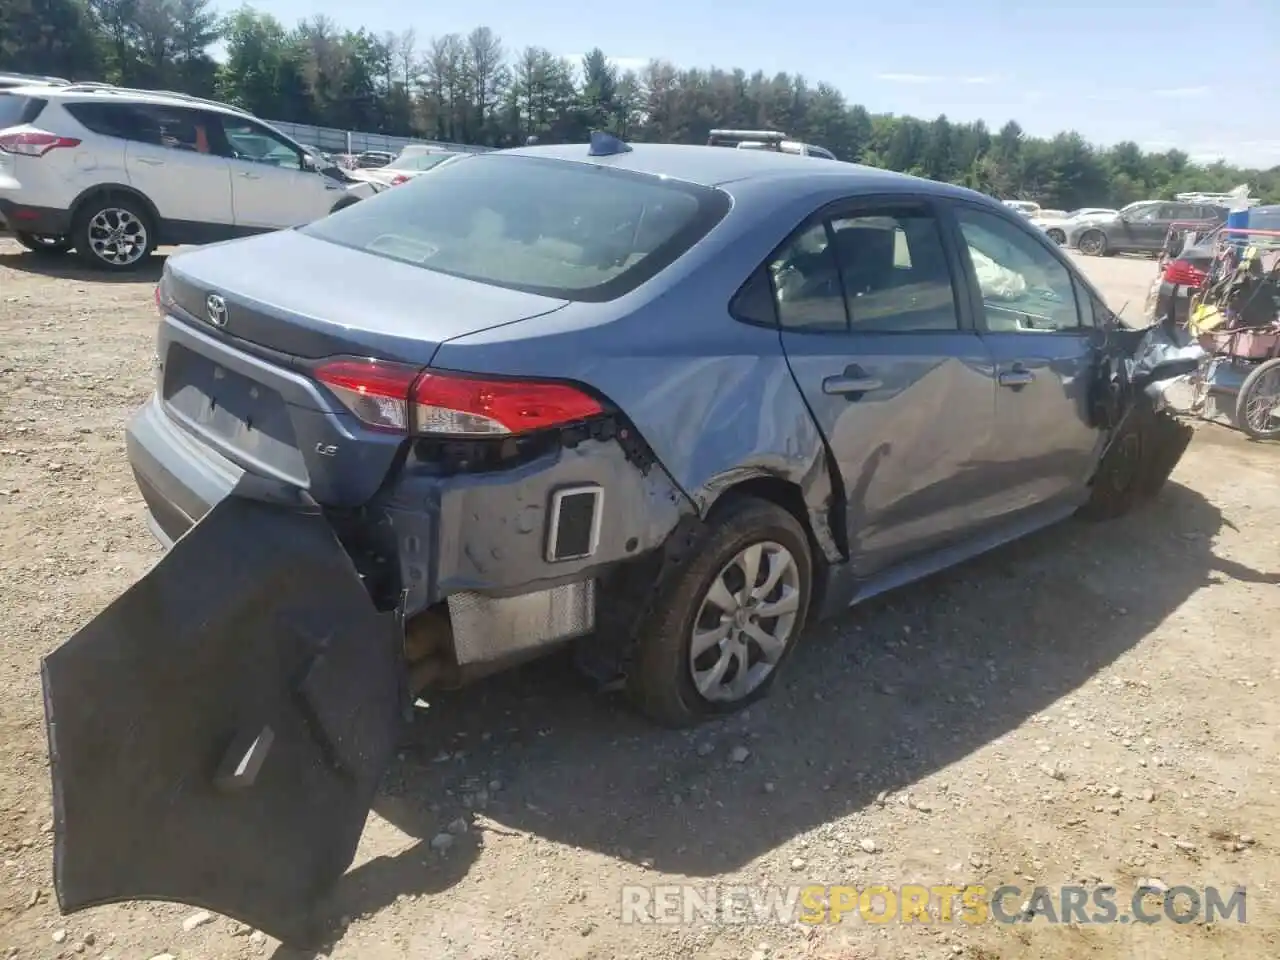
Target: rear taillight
403 399
398 179
34 143
1183 274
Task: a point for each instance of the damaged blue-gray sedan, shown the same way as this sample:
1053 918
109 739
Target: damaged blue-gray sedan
666 404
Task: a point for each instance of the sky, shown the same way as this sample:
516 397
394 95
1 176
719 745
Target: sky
1163 73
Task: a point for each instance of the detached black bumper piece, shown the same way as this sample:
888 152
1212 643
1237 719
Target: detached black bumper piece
218 732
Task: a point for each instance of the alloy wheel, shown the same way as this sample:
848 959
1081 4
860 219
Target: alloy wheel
745 622
1092 243
117 237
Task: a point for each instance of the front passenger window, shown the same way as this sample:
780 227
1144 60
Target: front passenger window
248 141
1025 288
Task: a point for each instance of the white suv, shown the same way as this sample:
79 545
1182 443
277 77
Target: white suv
114 172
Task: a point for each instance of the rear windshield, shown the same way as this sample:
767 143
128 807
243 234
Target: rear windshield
16 110
559 228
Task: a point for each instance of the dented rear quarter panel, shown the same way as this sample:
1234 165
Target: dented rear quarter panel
712 397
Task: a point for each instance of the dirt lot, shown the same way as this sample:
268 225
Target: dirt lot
1097 705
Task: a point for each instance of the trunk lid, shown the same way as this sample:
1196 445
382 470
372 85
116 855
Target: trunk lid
311 298
245 321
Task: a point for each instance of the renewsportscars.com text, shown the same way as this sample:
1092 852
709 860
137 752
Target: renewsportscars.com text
936 904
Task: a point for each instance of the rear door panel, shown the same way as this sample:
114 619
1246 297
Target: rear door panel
907 444
176 170
217 734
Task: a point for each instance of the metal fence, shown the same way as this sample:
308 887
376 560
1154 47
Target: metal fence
332 140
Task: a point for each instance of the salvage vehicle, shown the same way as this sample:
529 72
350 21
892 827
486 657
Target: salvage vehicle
1140 227
667 404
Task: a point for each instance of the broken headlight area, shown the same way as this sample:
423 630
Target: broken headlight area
1135 374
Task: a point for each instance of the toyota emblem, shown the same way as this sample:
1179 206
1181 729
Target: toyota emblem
216 307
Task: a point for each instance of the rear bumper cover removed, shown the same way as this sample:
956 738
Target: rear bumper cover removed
478 542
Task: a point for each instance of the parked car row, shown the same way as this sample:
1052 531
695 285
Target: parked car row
1056 223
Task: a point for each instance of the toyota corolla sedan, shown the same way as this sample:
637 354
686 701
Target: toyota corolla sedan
667 404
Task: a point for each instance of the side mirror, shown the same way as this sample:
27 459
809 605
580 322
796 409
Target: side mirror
309 163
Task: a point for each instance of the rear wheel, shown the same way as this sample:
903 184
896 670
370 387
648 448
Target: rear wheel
724 623
1258 402
1092 243
1056 235
50 244
114 233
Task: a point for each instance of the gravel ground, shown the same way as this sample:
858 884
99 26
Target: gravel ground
1096 705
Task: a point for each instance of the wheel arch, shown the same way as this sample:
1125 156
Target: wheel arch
108 190
820 523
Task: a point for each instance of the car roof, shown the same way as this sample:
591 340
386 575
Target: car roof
718 166
106 93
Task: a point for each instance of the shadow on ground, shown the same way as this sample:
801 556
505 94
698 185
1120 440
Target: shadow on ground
67 266
890 693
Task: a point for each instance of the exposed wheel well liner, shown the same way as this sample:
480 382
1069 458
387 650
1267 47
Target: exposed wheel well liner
789 497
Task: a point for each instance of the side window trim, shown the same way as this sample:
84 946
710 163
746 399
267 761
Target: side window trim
1048 246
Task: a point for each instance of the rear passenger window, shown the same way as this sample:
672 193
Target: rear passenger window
806 283
895 274
754 303
108 119
176 128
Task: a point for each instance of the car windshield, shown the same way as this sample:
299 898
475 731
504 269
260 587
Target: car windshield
419 161
576 231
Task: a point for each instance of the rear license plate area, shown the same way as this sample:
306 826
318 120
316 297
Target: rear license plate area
247 415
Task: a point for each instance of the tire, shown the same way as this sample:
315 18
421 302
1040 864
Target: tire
660 677
1092 243
1056 235
1261 387
114 233
1167 440
345 202
44 244
1117 485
